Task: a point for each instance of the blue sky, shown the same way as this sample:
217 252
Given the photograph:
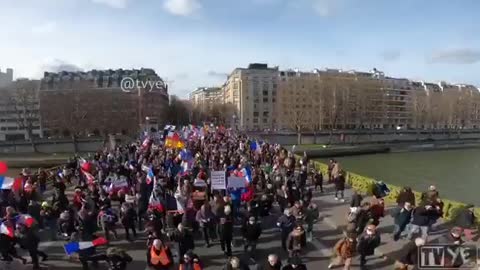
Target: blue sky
196 42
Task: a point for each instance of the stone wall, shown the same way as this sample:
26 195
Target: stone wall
53 146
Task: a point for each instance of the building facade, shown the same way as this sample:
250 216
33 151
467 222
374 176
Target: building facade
6 77
267 98
204 98
252 92
19 111
96 102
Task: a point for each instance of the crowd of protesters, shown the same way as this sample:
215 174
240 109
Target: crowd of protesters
164 190
162 186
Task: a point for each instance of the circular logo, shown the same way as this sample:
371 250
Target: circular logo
127 84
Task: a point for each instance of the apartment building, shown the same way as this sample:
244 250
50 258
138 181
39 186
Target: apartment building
204 98
94 102
6 77
19 111
252 91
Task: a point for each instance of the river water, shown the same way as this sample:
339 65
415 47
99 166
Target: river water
455 173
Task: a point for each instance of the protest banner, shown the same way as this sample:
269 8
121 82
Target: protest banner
236 182
218 180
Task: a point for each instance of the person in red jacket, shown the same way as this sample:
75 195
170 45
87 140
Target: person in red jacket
377 210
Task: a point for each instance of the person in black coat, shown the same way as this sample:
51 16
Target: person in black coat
318 178
421 220
184 239
402 217
128 217
295 264
29 241
251 231
339 186
367 243
225 231
286 223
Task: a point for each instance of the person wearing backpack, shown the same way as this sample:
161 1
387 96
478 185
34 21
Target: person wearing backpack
344 250
159 256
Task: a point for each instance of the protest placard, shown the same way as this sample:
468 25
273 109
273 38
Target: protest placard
218 180
236 182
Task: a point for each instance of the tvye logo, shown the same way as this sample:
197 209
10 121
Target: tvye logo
448 257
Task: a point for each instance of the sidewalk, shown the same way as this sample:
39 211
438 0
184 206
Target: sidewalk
333 214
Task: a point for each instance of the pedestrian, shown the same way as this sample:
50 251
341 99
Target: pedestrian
318 180
344 251
190 261
402 217
107 220
377 210
406 195
367 243
183 238
225 231
128 217
29 241
251 232
272 263
339 186
356 200
159 256
410 260
466 220
311 217
295 263
296 241
204 218
234 263
420 221
286 224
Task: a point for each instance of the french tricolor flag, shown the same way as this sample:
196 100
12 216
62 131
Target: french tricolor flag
73 247
10 183
89 176
150 176
26 219
9 231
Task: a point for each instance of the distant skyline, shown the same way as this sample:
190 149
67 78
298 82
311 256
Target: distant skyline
195 43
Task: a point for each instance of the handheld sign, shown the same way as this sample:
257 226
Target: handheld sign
236 182
218 180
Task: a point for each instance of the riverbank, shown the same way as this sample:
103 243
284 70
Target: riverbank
322 151
458 193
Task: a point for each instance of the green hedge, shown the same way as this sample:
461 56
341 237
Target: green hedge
365 185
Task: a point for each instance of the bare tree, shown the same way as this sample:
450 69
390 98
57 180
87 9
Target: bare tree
25 102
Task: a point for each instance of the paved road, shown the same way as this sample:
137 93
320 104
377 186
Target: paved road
316 256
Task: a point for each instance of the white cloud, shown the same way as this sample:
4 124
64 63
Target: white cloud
58 65
455 56
44 28
324 8
113 3
182 7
